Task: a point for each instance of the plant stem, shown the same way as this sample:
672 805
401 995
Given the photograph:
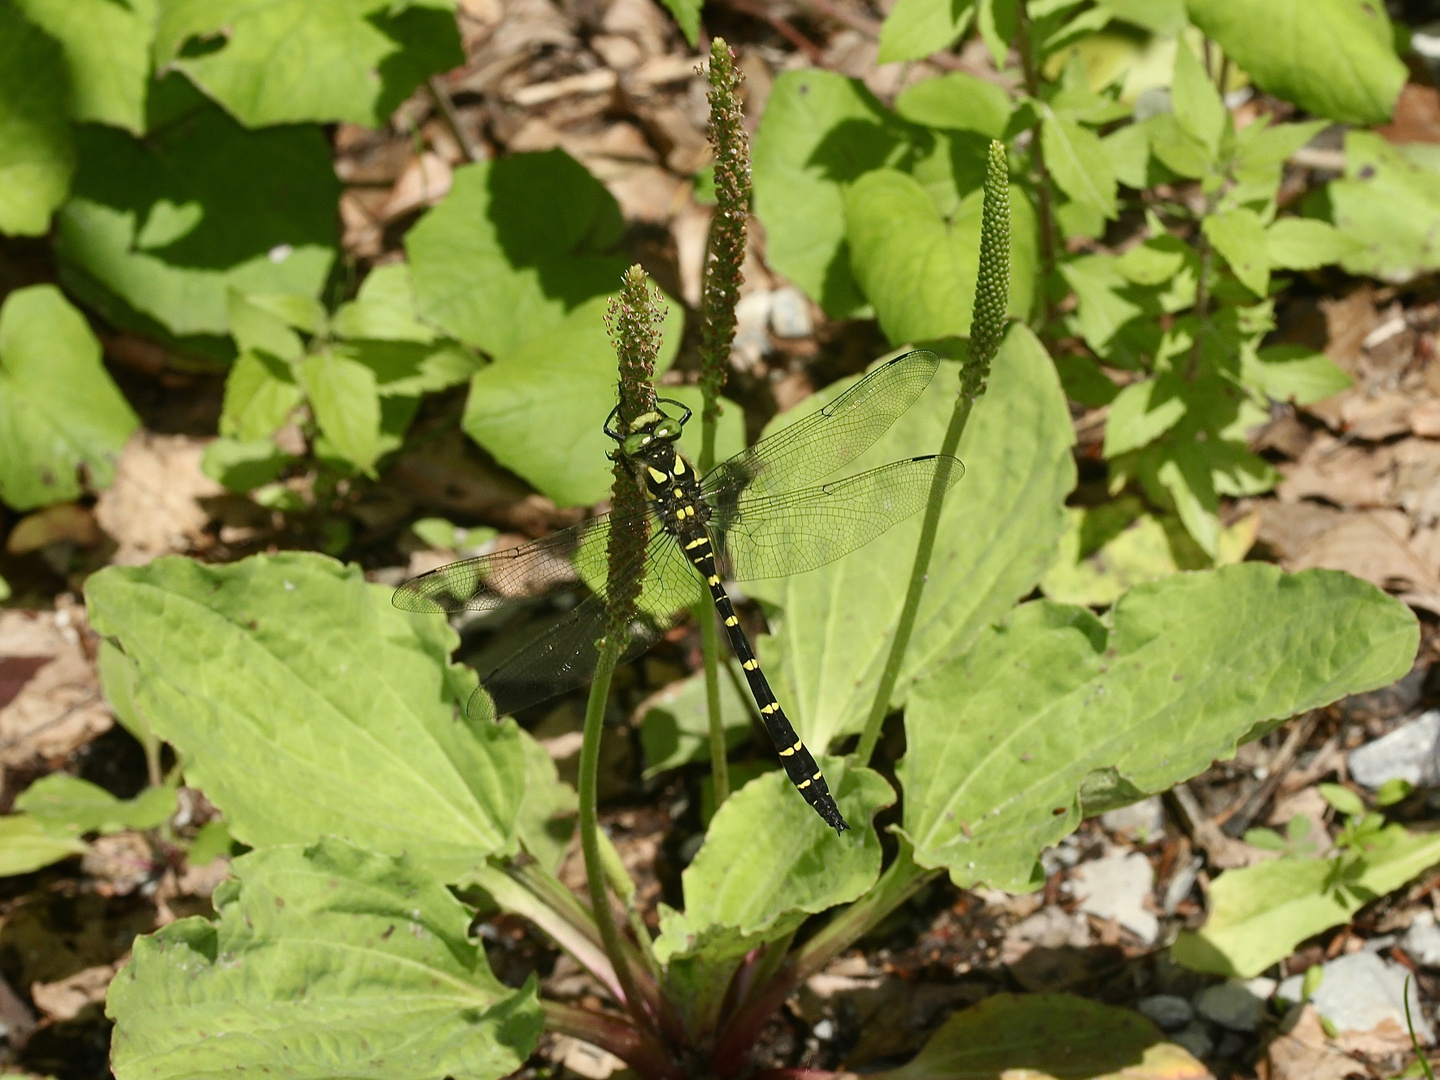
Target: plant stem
578 937
589 827
719 294
900 881
634 1046
1043 186
987 329
929 528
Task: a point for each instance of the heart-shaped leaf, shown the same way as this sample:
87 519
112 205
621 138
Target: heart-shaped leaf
286 61
918 267
1002 742
329 960
305 704
998 533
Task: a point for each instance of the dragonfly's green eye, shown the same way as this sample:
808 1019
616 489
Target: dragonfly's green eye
635 443
667 429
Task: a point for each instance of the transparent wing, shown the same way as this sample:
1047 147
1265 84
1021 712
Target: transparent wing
794 531
542 567
826 440
564 656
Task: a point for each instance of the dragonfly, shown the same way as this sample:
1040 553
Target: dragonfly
759 514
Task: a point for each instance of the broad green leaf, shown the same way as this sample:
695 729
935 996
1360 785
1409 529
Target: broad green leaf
1180 470
286 61
1077 160
675 729
1197 102
916 28
345 398
517 245
1260 913
996 21
769 862
305 704
1142 412
1294 373
957 101
1304 244
1107 550
107 54
383 309
1128 149
1047 1035
1001 742
998 533
59 411
917 267
243 466
687 14
1165 17
1177 149
547 811
559 381
820 132
1333 58
1101 310
324 962
1084 381
26 845
4 589
117 680
37 152
210 843
1239 236
408 368
67 805
260 393
1389 206
256 329
172 223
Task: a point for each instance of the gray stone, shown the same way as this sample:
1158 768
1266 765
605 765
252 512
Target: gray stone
1231 1004
1422 941
1169 1012
1360 991
1116 887
790 313
1290 991
1142 821
1182 880
1196 1038
752 314
1410 752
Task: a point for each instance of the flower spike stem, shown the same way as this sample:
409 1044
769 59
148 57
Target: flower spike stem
720 293
632 320
987 328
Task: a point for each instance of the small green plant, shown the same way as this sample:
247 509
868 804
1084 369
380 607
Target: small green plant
322 720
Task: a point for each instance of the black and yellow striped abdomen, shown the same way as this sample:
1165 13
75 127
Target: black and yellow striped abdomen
672 483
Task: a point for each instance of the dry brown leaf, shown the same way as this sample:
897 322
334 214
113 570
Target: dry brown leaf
58 708
61 523
1364 417
645 193
640 20
1304 1052
64 999
1374 545
425 181
121 863
153 507
1340 473
1348 321
1417 480
1425 419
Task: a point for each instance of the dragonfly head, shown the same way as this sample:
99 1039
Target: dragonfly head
649 430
